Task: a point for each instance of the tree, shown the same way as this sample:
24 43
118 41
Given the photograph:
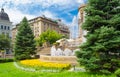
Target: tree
101 51
4 42
25 44
48 36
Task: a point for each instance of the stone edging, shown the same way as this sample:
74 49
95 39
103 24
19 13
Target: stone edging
33 70
22 68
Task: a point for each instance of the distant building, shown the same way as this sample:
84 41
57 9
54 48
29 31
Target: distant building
41 24
5 24
5 28
63 29
14 33
81 20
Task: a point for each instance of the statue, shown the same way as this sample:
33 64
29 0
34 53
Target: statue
59 51
67 51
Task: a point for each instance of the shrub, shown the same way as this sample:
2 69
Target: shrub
105 72
117 73
22 57
2 60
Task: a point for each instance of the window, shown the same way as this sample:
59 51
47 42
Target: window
5 27
1 26
8 28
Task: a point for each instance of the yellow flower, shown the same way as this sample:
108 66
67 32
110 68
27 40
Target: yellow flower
38 63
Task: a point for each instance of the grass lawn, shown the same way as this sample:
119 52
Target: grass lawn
9 70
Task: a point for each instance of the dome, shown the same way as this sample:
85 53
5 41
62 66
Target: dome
3 15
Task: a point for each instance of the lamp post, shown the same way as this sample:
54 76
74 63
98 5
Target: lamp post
74 67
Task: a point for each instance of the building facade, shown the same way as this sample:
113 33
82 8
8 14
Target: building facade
81 20
41 24
5 28
63 29
5 24
14 33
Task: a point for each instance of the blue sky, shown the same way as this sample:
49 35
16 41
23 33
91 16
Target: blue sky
63 9
66 10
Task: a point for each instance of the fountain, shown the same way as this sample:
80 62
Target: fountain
60 54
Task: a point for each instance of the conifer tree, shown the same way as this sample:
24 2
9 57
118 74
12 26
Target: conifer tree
25 44
101 51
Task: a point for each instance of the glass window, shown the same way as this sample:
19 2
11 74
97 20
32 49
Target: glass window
8 28
5 27
1 26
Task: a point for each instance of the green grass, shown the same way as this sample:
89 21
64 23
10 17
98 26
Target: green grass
9 70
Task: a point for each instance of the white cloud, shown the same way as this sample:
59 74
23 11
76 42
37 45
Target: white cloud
16 16
44 3
48 14
80 1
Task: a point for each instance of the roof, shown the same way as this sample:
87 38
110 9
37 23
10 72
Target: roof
3 15
82 6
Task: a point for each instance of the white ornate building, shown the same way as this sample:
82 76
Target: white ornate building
5 27
5 24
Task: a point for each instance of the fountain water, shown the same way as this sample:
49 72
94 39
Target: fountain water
60 55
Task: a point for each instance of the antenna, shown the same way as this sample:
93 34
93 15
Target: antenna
4 4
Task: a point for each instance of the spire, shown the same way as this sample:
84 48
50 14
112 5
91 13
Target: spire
2 10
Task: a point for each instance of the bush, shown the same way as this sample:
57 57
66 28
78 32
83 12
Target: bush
2 60
22 57
105 72
117 73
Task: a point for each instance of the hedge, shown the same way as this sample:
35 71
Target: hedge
4 60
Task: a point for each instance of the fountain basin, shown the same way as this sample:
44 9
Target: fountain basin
59 59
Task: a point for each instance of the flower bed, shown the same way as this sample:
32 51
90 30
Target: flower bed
38 63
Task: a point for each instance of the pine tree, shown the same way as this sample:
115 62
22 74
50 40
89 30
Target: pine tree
25 44
101 51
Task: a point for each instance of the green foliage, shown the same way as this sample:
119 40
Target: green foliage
48 36
4 42
101 51
4 60
25 44
117 73
13 71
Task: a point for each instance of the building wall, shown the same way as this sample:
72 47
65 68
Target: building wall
5 27
41 24
81 20
65 31
14 33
